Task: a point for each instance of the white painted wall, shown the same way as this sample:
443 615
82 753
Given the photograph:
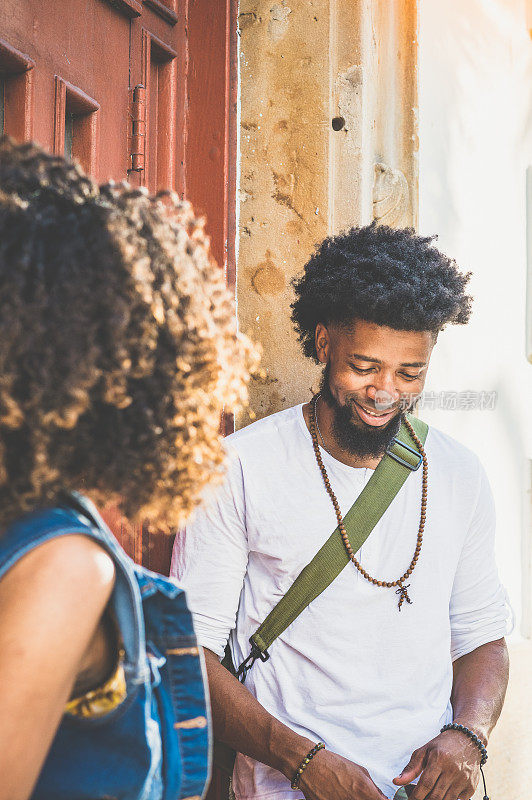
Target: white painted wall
475 100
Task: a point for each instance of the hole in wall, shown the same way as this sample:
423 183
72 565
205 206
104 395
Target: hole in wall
337 123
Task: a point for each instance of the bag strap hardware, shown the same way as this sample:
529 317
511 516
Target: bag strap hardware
245 666
392 452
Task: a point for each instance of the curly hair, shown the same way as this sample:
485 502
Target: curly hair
388 276
118 344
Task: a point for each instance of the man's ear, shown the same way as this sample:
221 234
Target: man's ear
322 342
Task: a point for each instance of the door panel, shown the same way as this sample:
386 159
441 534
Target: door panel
86 44
16 92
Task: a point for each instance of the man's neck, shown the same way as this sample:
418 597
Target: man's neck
325 417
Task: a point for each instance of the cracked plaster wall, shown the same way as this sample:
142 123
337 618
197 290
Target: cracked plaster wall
304 63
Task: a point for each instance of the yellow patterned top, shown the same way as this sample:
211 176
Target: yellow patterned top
101 700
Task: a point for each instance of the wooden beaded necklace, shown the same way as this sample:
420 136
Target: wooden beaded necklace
400 582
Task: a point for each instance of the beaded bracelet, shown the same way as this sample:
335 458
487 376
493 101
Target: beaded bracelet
455 726
304 764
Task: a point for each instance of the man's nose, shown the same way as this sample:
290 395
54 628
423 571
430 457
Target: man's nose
382 391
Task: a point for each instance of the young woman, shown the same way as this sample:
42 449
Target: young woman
118 351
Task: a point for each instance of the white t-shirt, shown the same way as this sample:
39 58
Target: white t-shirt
370 681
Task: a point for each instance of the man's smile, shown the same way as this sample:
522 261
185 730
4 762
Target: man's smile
371 417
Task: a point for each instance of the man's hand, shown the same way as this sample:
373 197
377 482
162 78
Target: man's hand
449 766
241 722
332 777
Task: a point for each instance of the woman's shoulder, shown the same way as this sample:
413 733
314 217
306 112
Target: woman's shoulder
67 566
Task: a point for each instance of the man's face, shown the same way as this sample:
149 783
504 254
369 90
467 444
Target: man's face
372 374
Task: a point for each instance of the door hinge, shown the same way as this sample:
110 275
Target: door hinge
138 129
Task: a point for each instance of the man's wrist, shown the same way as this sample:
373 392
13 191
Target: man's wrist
474 741
304 764
288 749
479 730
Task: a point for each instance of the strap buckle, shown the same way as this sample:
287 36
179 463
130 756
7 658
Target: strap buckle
396 457
246 665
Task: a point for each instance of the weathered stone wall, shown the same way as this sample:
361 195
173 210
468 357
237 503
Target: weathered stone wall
325 144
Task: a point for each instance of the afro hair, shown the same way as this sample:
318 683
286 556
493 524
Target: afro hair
388 276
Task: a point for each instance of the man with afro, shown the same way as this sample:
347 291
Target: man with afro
399 667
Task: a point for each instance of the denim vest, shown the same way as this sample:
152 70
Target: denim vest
155 745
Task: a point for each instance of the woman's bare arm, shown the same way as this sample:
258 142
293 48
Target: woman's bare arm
51 603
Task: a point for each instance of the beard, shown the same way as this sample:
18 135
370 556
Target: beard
358 439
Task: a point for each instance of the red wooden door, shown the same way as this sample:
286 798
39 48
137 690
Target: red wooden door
74 57
67 74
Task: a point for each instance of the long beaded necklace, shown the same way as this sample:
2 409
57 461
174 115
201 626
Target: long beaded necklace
402 589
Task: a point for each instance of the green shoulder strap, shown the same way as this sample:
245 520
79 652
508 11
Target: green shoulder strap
399 461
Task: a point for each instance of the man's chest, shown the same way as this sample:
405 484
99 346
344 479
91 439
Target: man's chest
289 516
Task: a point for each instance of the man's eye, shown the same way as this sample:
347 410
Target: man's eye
408 377
362 371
